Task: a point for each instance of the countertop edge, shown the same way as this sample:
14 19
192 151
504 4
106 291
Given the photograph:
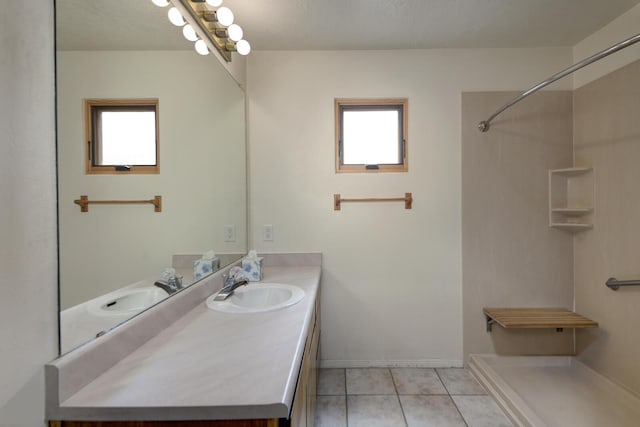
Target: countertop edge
177 413
56 410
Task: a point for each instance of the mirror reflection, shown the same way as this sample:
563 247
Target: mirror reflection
121 134
112 255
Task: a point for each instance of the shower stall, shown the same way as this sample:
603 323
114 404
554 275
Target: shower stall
513 258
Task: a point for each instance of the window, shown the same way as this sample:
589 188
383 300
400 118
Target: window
122 136
371 135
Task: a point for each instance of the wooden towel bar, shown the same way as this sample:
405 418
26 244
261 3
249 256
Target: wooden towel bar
84 203
407 199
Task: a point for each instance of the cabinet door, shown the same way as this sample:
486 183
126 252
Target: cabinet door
312 385
299 411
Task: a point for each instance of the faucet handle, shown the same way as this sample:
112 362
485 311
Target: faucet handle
177 280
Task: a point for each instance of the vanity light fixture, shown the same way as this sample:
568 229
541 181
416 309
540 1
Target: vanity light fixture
233 32
223 16
201 47
189 33
242 47
207 24
175 17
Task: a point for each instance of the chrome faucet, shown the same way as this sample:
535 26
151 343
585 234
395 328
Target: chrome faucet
171 285
231 283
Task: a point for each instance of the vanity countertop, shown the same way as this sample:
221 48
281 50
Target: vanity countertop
207 365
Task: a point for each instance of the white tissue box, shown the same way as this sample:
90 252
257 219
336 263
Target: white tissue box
204 267
252 268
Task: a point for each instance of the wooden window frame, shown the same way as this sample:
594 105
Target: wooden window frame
352 103
91 106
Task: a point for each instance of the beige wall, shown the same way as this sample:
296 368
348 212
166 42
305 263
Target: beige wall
202 176
504 263
619 29
392 286
607 137
510 256
28 306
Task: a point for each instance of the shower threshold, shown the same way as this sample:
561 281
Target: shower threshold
555 391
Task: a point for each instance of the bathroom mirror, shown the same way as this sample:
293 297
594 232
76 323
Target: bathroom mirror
111 255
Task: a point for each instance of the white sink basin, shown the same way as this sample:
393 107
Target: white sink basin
257 298
128 301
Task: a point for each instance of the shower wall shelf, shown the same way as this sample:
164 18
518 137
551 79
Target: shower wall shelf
572 199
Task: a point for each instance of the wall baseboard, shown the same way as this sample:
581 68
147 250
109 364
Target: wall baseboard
425 363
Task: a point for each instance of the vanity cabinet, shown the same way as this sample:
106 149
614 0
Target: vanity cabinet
302 410
217 423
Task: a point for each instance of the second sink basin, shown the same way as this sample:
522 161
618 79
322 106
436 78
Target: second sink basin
127 302
257 298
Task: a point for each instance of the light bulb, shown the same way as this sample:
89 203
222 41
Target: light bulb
175 17
214 3
224 16
235 32
243 47
201 47
189 33
161 3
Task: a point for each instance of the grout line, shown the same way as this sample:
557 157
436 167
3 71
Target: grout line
395 387
346 409
451 399
397 394
393 381
404 416
346 399
384 394
425 394
443 384
464 420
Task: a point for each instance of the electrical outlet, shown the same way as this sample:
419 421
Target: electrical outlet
267 232
229 233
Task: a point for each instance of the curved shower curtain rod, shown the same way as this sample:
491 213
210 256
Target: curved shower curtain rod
484 125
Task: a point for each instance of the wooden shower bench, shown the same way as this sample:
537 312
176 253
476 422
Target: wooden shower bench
536 318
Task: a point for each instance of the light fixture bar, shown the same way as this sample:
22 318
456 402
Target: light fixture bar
205 22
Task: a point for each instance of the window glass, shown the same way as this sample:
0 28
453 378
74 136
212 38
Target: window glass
371 135
122 136
127 138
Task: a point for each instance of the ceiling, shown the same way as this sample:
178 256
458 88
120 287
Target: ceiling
348 24
418 24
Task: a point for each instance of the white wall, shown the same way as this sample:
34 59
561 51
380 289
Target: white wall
619 29
202 176
392 287
28 306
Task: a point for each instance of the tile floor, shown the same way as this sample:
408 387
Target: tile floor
412 397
